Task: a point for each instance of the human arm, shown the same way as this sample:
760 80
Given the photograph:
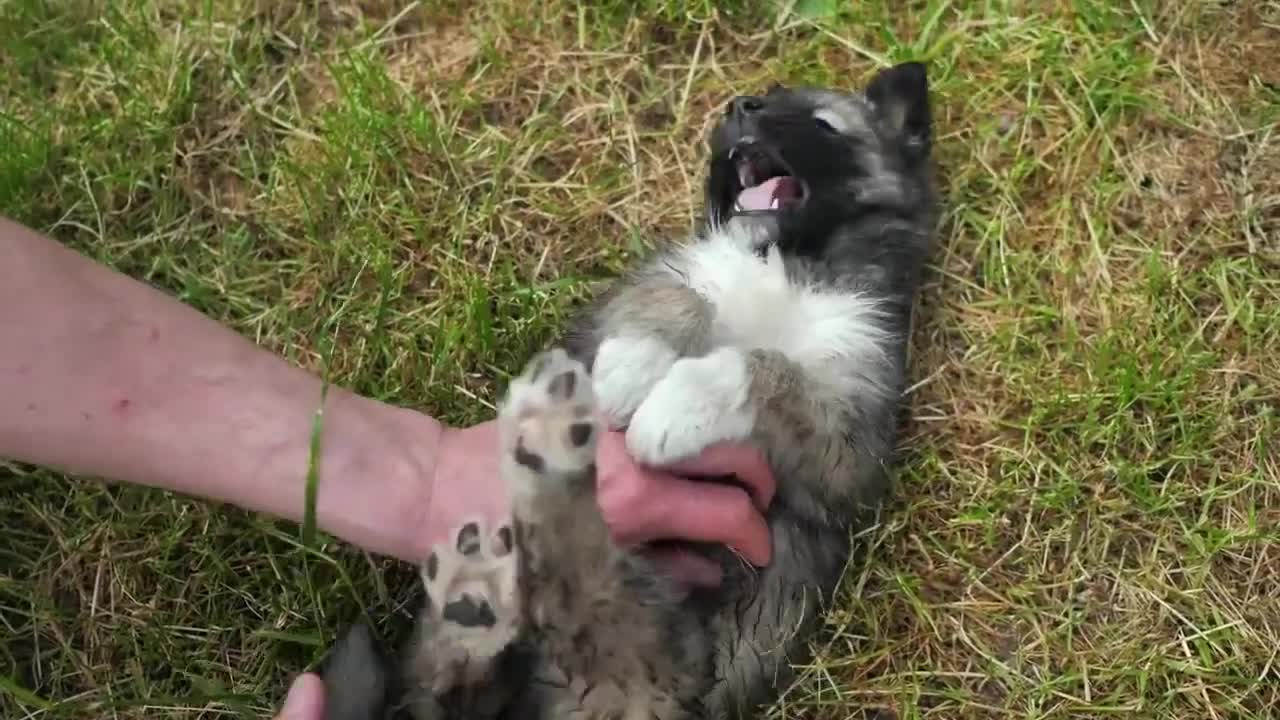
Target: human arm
101 375
105 376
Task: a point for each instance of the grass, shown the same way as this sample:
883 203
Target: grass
411 195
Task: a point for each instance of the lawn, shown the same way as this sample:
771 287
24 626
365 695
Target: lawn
411 196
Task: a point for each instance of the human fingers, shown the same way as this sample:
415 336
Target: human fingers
305 700
745 462
709 512
642 505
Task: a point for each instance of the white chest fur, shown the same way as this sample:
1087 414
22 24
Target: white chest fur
758 307
674 407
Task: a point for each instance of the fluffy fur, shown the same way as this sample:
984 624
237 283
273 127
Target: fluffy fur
784 322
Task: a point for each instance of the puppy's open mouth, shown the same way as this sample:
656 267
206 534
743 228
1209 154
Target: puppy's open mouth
766 183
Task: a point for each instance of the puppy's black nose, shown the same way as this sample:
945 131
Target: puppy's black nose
745 105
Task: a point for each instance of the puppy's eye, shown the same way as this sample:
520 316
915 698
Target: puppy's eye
825 125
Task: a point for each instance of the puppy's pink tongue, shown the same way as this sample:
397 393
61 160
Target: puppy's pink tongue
759 197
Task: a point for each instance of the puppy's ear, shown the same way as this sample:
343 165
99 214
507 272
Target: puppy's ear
900 95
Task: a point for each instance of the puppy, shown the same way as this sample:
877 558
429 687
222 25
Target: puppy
783 322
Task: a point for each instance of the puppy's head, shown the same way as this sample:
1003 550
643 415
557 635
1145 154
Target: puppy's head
811 158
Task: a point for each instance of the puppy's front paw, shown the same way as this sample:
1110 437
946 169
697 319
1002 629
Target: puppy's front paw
471 603
700 401
625 371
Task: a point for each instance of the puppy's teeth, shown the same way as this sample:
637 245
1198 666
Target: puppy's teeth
737 207
774 205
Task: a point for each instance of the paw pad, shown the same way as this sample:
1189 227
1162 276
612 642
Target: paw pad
580 433
469 611
469 539
471 601
503 541
548 422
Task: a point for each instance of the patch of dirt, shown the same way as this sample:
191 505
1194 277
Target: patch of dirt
438 53
1213 165
317 87
1180 184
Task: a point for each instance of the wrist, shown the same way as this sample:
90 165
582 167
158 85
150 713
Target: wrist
377 464
466 485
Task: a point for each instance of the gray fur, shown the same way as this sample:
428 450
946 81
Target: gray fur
596 629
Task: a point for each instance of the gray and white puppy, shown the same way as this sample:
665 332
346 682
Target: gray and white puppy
783 322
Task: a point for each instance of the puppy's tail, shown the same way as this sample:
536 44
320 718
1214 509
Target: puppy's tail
356 677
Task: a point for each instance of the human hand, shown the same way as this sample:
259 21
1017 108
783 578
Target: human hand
640 504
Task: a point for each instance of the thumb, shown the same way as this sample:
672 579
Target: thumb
305 700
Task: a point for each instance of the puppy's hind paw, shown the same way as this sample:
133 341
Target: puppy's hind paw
549 429
472 608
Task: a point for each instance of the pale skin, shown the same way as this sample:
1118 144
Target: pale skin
106 377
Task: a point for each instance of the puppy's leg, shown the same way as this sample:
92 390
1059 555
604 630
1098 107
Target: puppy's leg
831 435
469 621
699 401
764 627
633 335
605 618
548 433
831 447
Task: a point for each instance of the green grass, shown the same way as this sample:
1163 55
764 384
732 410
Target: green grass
410 196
